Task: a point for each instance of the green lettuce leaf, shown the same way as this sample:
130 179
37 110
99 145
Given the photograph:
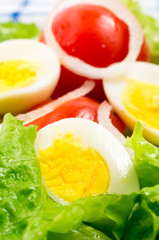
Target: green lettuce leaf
152 196
26 211
39 228
149 25
58 222
142 223
146 160
107 213
105 217
108 216
84 232
12 30
21 190
127 217
110 212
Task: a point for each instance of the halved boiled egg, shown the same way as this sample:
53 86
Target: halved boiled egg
29 72
81 158
135 97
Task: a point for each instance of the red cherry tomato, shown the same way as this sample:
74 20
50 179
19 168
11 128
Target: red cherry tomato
117 122
69 81
95 35
42 38
92 33
82 107
145 53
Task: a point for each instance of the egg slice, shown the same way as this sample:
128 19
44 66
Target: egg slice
81 158
29 72
135 97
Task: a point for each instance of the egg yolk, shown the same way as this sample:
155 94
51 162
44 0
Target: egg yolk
142 101
16 74
72 170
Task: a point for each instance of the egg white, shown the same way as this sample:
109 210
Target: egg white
140 71
22 99
122 173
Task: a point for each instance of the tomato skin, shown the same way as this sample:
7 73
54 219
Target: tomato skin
71 28
42 38
69 81
91 33
145 54
82 107
117 122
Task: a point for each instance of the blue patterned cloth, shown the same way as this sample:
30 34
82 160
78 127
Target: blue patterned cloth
37 10
26 10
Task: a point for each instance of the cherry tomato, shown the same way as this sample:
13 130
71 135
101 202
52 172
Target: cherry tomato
82 107
42 38
117 122
95 35
92 33
69 81
145 53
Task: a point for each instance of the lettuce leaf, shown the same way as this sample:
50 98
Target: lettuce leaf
142 223
149 25
12 30
152 196
21 190
128 217
108 216
84 232
107 213
105 217
39 229
146 160
26 211
110 212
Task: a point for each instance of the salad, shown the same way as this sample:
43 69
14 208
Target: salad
79 155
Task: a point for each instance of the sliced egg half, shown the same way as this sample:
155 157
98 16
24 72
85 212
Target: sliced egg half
29 72
81 158
135 97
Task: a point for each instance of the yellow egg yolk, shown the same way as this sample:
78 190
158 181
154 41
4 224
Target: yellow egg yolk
16 74
72 170
142 101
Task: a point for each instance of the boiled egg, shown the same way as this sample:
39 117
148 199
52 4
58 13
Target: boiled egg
135 97
29 72
80 158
